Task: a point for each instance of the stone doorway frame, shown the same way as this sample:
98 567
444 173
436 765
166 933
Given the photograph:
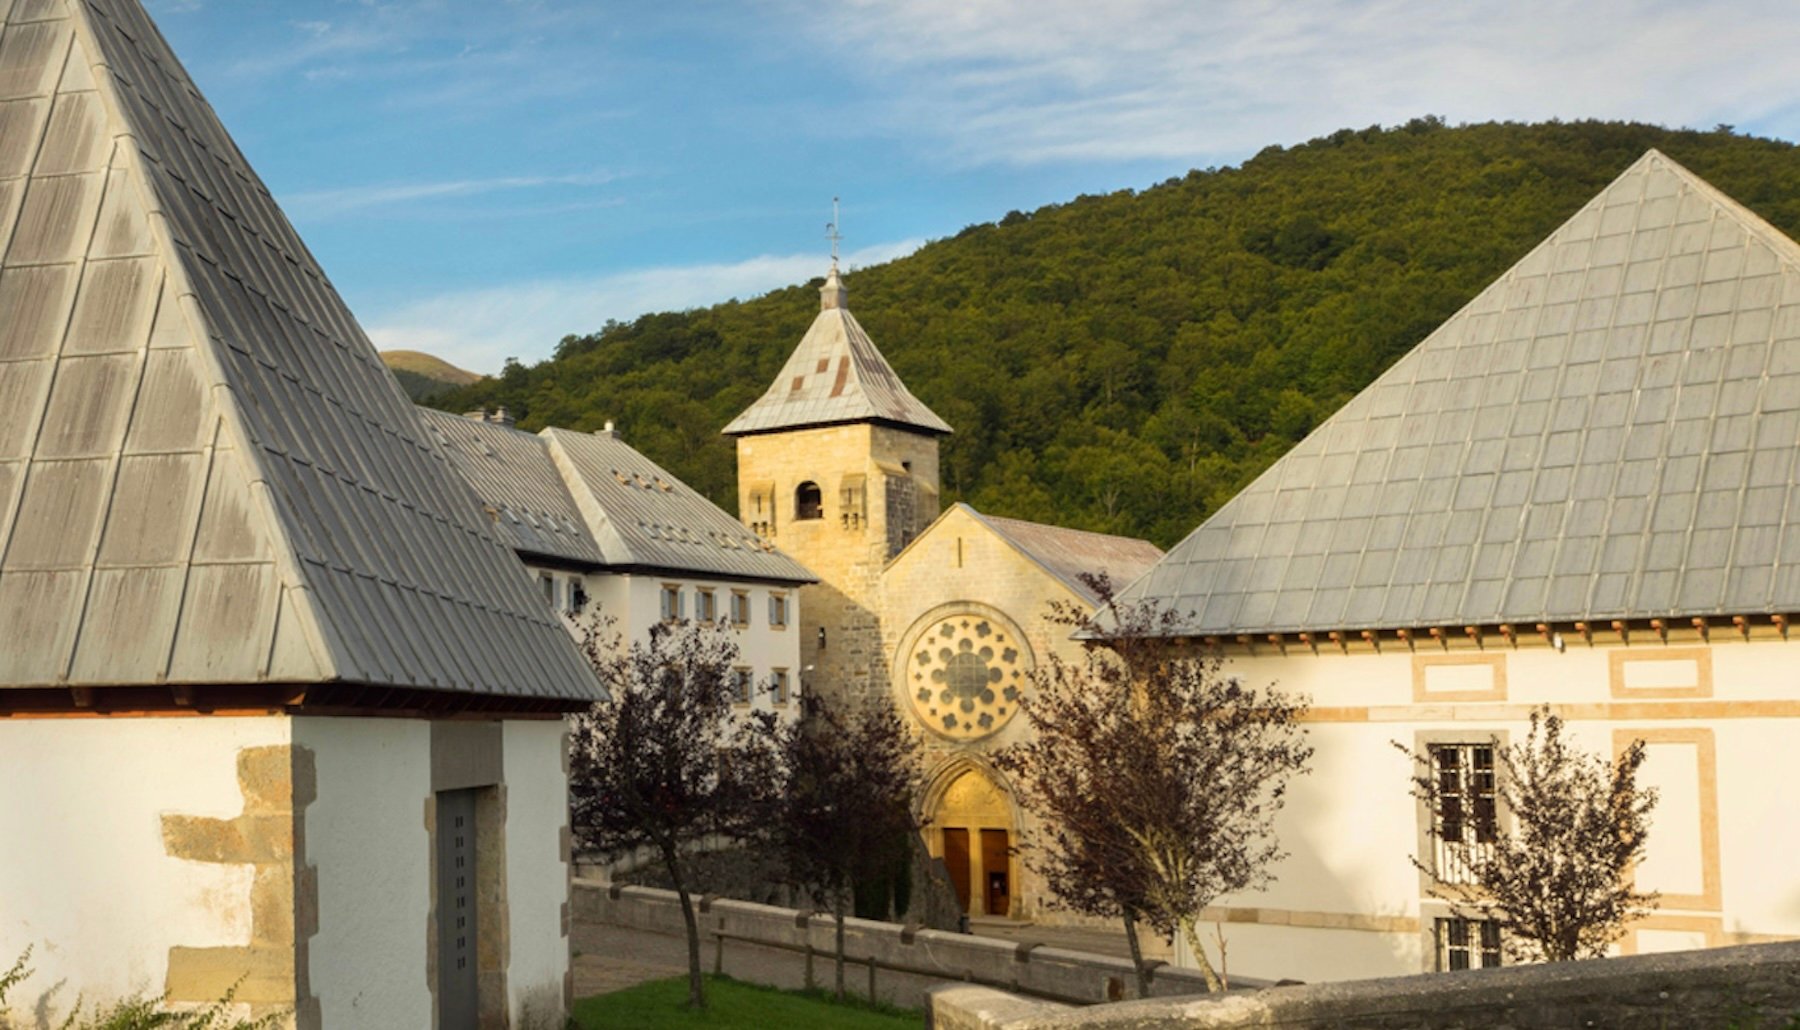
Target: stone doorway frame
931 800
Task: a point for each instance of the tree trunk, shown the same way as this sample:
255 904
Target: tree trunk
841 891
1137 954
696 986
1193 941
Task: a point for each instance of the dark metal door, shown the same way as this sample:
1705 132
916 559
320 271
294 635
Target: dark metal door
457 1002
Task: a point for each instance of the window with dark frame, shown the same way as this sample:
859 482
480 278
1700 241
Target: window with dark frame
1466 820
1467 944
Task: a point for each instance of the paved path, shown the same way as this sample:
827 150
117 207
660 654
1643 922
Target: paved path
612 958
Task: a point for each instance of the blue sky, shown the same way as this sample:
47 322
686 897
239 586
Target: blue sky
480 177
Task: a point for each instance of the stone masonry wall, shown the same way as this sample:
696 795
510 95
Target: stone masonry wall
846 549
1748 986
1039 971
962 566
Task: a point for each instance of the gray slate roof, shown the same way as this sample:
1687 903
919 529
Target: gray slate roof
206 474
1068 554
835 375
644 518
1610 430
518 485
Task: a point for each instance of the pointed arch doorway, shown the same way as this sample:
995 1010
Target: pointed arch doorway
974 830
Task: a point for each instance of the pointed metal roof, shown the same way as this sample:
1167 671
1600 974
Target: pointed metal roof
207 476
1610 430
835 375
646 519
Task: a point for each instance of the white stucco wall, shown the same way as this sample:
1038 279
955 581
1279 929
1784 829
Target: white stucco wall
537 880
1721 752
635 602
85 880
366 836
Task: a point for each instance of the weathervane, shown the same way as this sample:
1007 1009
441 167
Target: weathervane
831 233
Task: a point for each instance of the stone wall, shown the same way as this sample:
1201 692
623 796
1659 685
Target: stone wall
1038 972
854 466
1748 986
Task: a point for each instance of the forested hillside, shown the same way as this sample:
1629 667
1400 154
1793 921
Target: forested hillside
1126 362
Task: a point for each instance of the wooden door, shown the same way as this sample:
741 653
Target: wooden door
996 868
456 982
956 859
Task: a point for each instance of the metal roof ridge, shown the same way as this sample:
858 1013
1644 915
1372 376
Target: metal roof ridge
613 545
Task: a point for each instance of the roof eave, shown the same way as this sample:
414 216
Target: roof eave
941 430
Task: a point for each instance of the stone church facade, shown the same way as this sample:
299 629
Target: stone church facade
940 613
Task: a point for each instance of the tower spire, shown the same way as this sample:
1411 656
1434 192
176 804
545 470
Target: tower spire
832 294
831 233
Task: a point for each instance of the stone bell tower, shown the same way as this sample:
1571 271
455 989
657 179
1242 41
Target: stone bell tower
838 466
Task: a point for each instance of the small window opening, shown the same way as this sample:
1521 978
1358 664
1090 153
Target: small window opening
809 502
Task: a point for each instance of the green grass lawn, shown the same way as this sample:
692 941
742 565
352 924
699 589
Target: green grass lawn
730 1003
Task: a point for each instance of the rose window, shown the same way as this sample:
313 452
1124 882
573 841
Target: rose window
964 675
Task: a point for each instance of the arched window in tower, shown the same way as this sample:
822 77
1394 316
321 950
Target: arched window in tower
809 502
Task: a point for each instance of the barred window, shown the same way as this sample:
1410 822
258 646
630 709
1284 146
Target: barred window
1467 944
1466 821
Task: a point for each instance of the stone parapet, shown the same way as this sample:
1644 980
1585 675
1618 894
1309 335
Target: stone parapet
1042 973
1749 985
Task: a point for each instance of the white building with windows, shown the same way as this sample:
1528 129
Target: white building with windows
1579 491
606 531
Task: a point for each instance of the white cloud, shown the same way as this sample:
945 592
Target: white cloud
1028 81
479 329
331 203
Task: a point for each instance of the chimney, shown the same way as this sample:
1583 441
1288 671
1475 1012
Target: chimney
608 430
502 417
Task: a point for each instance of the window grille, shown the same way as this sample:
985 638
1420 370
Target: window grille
1467 944
1466 816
